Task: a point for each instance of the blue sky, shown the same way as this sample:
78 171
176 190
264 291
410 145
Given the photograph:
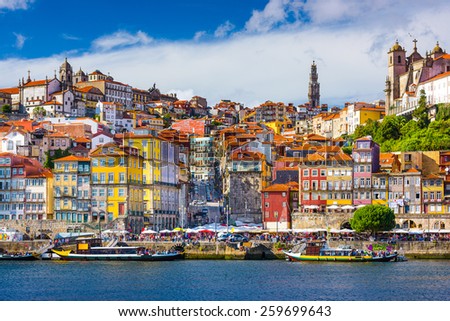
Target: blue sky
247 51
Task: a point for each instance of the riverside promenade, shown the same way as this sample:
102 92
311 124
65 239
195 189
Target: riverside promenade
257 250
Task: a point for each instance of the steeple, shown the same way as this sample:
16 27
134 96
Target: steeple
314 87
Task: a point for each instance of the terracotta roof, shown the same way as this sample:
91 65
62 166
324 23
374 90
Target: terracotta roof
314 157
82 140
443 75
11 91
52 102
412 170
276 188
433 176
73 158
35 83
364 138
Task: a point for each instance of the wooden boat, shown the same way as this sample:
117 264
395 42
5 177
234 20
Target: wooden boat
91 250
49 255
18 257
320 251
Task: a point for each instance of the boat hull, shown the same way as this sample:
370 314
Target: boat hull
29 257
346 259
67 256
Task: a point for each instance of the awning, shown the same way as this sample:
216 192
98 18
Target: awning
311 207
348 207
149 232
333 207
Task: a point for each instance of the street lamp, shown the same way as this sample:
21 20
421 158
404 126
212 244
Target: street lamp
228 214
276 216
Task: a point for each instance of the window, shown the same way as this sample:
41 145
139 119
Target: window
305 172
266 204
314 172
266 195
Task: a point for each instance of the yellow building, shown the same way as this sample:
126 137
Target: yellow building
160 178
117 190
71 189
432 194
366 113
339 182
149 148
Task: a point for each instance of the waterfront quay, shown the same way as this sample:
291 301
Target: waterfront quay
256 250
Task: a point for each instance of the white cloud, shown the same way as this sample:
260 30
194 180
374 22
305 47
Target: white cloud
121 39
182 94
69 37
274 13
199 35
20 40
15 4
349 50
224 29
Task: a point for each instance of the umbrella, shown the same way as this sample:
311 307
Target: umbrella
165 231
149 232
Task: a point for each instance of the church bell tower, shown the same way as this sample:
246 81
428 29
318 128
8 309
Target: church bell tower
314 87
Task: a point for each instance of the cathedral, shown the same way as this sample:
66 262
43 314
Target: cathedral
409 74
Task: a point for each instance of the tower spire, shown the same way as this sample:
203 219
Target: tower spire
314 87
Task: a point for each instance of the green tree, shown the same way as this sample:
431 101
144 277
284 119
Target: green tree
5 109
370 128
347 150
389 128
421 112
443 112
59 153
373 218
39 112
167 119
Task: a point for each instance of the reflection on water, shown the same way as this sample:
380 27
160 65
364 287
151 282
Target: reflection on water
225 280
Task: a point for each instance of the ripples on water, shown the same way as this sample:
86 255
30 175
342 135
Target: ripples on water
419 280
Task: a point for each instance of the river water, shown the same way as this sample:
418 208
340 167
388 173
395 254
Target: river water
217 280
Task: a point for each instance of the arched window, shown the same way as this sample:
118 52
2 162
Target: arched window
399 59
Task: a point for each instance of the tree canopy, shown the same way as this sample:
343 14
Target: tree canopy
5 109
59 153
416 133
373 218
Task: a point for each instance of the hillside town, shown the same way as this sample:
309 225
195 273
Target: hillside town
82 150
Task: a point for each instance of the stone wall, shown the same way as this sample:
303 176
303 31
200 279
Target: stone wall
257 251
337 220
